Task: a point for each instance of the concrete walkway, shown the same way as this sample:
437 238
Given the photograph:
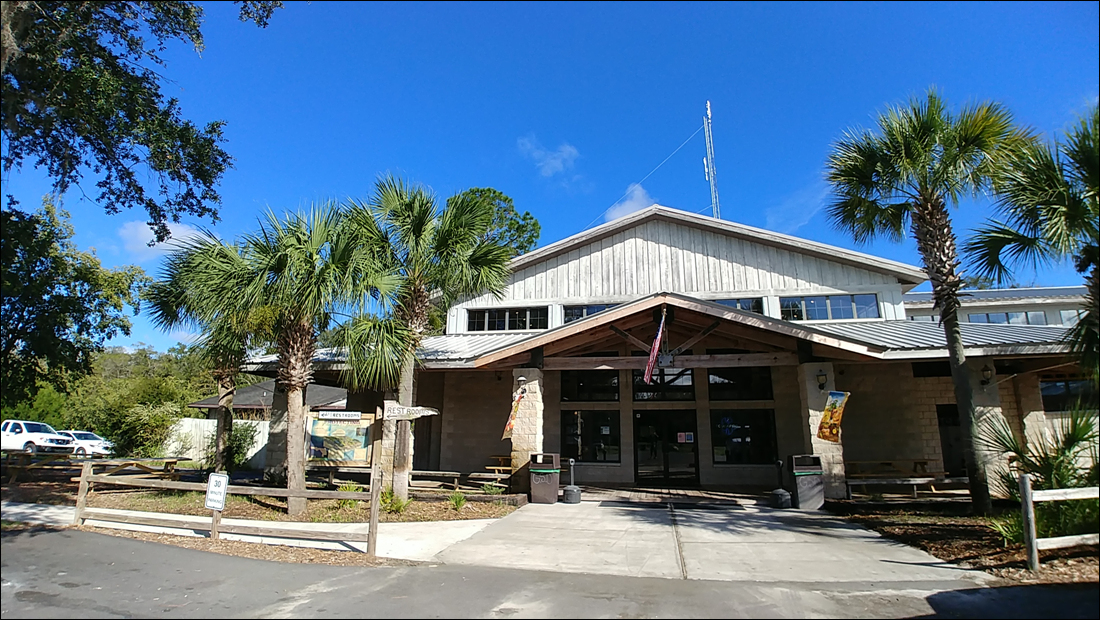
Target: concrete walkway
728 543
406 541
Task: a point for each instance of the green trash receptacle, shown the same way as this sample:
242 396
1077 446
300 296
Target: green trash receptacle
545 474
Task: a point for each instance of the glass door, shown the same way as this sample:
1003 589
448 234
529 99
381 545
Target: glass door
665 448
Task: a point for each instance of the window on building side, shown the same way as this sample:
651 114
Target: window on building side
574 313
830 307
507 319
1071 317
668 384
743 436
1014 318
747 383
923 317
591 436
748 304
589 385
1064 394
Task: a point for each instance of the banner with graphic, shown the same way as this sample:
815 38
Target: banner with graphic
829 429
512 416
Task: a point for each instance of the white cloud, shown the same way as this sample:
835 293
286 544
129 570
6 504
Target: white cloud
137 235
636 199
549 163
797 209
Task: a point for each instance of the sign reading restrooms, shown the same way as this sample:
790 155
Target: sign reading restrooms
829 429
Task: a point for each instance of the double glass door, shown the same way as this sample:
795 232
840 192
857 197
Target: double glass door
666 448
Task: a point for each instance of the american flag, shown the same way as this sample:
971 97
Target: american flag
653 352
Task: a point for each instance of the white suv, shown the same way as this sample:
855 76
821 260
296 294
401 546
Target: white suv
33 437
88 444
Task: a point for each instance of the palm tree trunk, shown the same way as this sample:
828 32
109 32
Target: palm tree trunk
935 238
1085 336
296 347
226 390
402 448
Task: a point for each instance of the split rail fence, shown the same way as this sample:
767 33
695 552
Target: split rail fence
1028 498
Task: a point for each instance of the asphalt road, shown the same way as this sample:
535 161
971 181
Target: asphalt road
50 574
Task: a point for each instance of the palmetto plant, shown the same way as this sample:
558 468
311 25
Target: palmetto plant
1050 209
306 271
905 177
437 256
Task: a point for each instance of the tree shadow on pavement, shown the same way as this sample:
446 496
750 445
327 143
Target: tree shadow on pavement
1023 601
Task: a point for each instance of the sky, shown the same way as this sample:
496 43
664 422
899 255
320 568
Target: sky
568 107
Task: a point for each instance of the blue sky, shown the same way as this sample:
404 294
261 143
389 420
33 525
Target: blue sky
565 106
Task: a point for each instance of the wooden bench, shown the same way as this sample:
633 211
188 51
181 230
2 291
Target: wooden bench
498 480
451 477
913 481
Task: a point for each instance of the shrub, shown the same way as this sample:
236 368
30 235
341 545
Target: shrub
492 489
140 430
348 488
241 440
391 503
457 500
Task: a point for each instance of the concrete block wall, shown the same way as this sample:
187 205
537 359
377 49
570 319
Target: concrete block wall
892 414
475 408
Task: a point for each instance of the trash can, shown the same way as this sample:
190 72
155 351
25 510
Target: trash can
545 471
807 485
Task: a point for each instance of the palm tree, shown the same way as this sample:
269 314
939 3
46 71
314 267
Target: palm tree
908 174
1050 211
307 271
226 339
439 255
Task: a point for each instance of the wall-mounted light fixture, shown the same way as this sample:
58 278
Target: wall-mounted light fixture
822 379
987 374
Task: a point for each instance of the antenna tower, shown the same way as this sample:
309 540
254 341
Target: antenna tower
709 171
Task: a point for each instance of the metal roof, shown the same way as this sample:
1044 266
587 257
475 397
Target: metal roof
463 347
1003 293
915 335
259 395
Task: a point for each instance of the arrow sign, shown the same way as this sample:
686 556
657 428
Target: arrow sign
394 411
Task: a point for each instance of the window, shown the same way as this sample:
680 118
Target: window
748 304
590 385
512 319
923 317
834 307
1071 317
743 436
1014 318
1063 394
750 383
931 369
574 313
668 384
590 436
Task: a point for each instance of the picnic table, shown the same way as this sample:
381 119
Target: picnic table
894 472
18 461
167 467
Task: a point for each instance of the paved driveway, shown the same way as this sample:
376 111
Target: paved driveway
729 543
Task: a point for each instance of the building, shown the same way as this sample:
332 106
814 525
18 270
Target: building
759 327
1049 305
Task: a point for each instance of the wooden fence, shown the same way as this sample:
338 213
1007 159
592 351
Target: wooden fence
1028 498
88 478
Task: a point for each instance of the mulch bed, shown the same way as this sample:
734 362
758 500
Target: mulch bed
947 531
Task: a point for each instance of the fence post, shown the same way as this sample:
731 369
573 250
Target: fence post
1028 509
215 521
82 492
375 499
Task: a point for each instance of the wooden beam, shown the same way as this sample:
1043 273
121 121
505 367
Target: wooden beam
629 338
696 338
680 361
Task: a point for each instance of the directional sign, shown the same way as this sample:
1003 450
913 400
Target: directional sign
394 411
217 487
353 416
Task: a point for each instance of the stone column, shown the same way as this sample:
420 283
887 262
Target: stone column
1029 406
813 405
527 431
987 403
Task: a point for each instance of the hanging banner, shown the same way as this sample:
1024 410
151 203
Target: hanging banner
512 416
829 429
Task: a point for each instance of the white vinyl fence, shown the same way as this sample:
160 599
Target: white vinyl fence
190 436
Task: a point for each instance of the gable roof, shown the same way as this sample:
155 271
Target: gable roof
908 275
260 395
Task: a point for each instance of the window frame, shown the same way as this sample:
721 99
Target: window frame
786 308
507 317
616 433
716 434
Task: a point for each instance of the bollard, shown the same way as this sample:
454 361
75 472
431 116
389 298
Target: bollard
572 493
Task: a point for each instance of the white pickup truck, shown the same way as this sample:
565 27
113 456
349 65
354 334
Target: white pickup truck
33 437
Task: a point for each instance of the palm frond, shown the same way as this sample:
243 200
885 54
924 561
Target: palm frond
993 248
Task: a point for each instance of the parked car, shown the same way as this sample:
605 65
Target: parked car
33 437
88 443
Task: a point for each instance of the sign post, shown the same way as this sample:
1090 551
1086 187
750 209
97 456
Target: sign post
217 487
